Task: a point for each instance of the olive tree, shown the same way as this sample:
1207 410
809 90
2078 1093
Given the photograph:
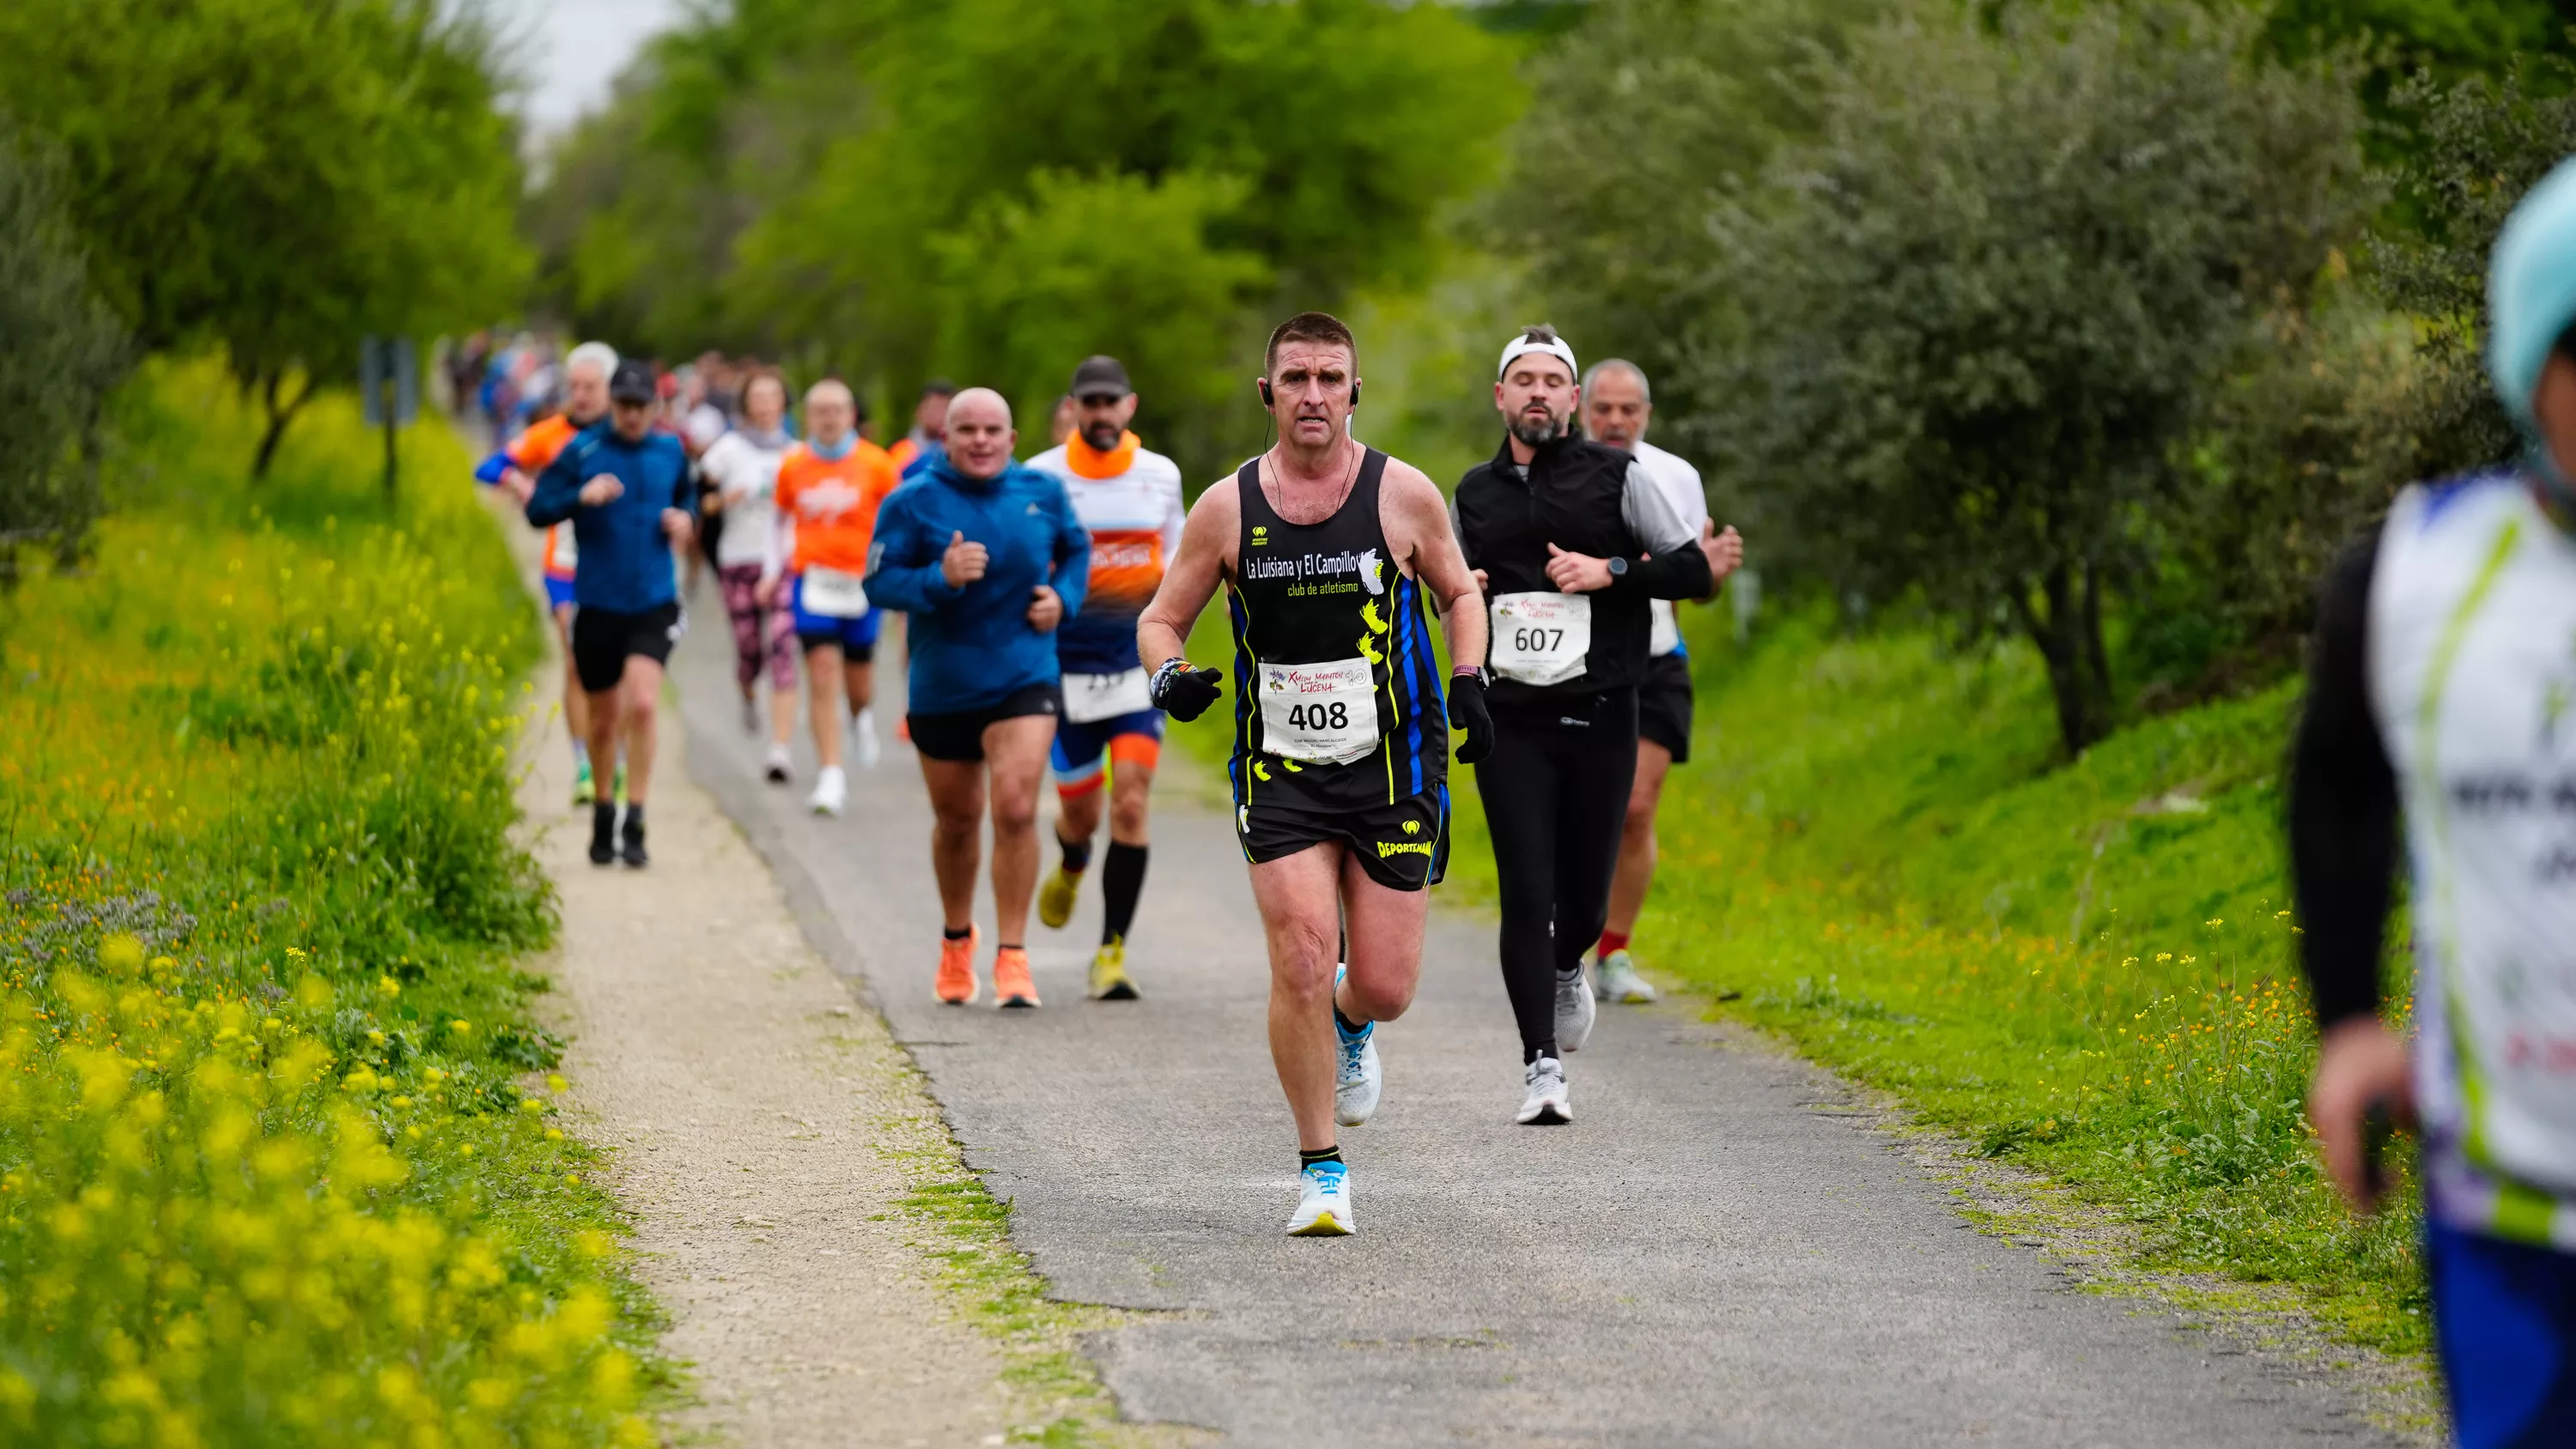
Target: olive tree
64 351
1966 326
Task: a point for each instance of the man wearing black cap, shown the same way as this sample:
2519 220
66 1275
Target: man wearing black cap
624 486
1129 500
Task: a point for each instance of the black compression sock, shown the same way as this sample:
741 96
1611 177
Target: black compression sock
1306 1159
1122 880
1077 854
960 934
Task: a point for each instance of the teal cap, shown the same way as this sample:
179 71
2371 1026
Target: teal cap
2531 291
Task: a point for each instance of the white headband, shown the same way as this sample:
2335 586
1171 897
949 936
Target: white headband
1523 345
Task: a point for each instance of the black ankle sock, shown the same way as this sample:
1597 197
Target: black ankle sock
1570 973
1348 1026
1122 879
960 934
1306 1159
1009 946
1077 854
635 819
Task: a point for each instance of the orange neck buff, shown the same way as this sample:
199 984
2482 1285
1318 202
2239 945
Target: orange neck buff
1087 461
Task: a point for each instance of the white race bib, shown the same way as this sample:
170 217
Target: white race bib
1325 714
1089 697
1666 636
1540 638
833 594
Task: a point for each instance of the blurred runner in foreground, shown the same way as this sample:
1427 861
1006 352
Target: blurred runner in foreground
2439 694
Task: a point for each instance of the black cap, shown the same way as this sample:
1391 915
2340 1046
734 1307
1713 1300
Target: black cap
1099 377
632 382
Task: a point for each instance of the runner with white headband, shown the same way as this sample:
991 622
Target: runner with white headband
1571 540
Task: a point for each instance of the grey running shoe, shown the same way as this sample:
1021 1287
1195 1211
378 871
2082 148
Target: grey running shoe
1574 1011
1547 1102
1620 981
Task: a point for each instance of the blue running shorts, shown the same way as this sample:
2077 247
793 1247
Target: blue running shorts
2504 1320
857 637
1079 747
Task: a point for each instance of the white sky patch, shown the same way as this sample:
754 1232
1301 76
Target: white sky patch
569 50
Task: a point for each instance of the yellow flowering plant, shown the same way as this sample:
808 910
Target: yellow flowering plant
255 1186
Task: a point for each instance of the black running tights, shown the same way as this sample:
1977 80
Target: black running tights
1556 792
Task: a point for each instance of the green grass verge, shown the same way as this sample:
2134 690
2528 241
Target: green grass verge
275 1157
2083 968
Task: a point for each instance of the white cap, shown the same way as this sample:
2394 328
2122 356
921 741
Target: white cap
1519 346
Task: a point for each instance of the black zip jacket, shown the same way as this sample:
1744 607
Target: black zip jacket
1588 498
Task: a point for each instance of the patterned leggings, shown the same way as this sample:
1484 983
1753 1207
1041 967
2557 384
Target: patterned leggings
758 633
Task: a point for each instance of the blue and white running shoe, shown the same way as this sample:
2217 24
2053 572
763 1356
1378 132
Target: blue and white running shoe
1356 1084
1323 1202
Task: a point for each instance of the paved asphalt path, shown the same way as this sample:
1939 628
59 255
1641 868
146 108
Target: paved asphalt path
1702 1258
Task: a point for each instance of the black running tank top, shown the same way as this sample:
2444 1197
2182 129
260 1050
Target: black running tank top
1337 702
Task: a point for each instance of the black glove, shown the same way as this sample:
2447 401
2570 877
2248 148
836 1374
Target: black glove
1185 693
1467 712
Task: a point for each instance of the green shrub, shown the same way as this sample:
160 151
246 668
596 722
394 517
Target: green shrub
272 1167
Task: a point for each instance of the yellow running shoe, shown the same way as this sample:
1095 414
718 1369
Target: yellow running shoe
1055 898
1109 974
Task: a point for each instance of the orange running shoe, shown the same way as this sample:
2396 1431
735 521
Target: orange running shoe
957 969
1011 983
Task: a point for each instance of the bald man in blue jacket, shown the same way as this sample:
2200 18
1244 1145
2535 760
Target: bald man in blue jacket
987 559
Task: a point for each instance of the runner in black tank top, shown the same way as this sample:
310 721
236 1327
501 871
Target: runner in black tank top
1341 758
1309 600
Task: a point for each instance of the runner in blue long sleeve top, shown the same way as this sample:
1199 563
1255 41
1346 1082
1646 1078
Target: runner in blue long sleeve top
624 487
986 558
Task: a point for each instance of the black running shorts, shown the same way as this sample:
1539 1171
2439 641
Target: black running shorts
602 642
1664 705
1403 846
959 737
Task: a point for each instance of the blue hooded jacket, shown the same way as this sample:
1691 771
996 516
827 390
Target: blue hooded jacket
624 561
972 647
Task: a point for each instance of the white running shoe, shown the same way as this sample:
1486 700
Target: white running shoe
1355 1092
863 739
831 792
1547 1102
1323 1203
778 769
1574 1011
1620 981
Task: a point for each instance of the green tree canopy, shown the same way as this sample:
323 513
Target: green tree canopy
816 177
279 178
1982 308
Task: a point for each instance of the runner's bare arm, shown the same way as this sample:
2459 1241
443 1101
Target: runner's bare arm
1416 520
1198 568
